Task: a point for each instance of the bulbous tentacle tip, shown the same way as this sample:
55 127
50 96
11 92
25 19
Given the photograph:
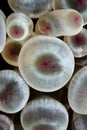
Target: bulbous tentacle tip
2 30
55 23
78 43
33 9
11 51
46 65
12 97
47 115
6 123
44 27
78 88
16 29
79 121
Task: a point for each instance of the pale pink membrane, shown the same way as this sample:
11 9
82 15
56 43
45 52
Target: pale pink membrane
44 113
80 121
61 22
11 51
42 64
78 43
75 20
14 92
19 26
16 31
33 8
77 92
6 123
2 31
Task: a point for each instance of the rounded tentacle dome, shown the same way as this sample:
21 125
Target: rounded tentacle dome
46 63
44 113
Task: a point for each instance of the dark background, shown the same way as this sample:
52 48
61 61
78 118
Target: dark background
5 7
7 11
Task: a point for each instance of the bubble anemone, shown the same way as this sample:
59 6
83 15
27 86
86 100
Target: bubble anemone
55 23
78 43
44 113
46 63
32 8
77 92
14 92
16 29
